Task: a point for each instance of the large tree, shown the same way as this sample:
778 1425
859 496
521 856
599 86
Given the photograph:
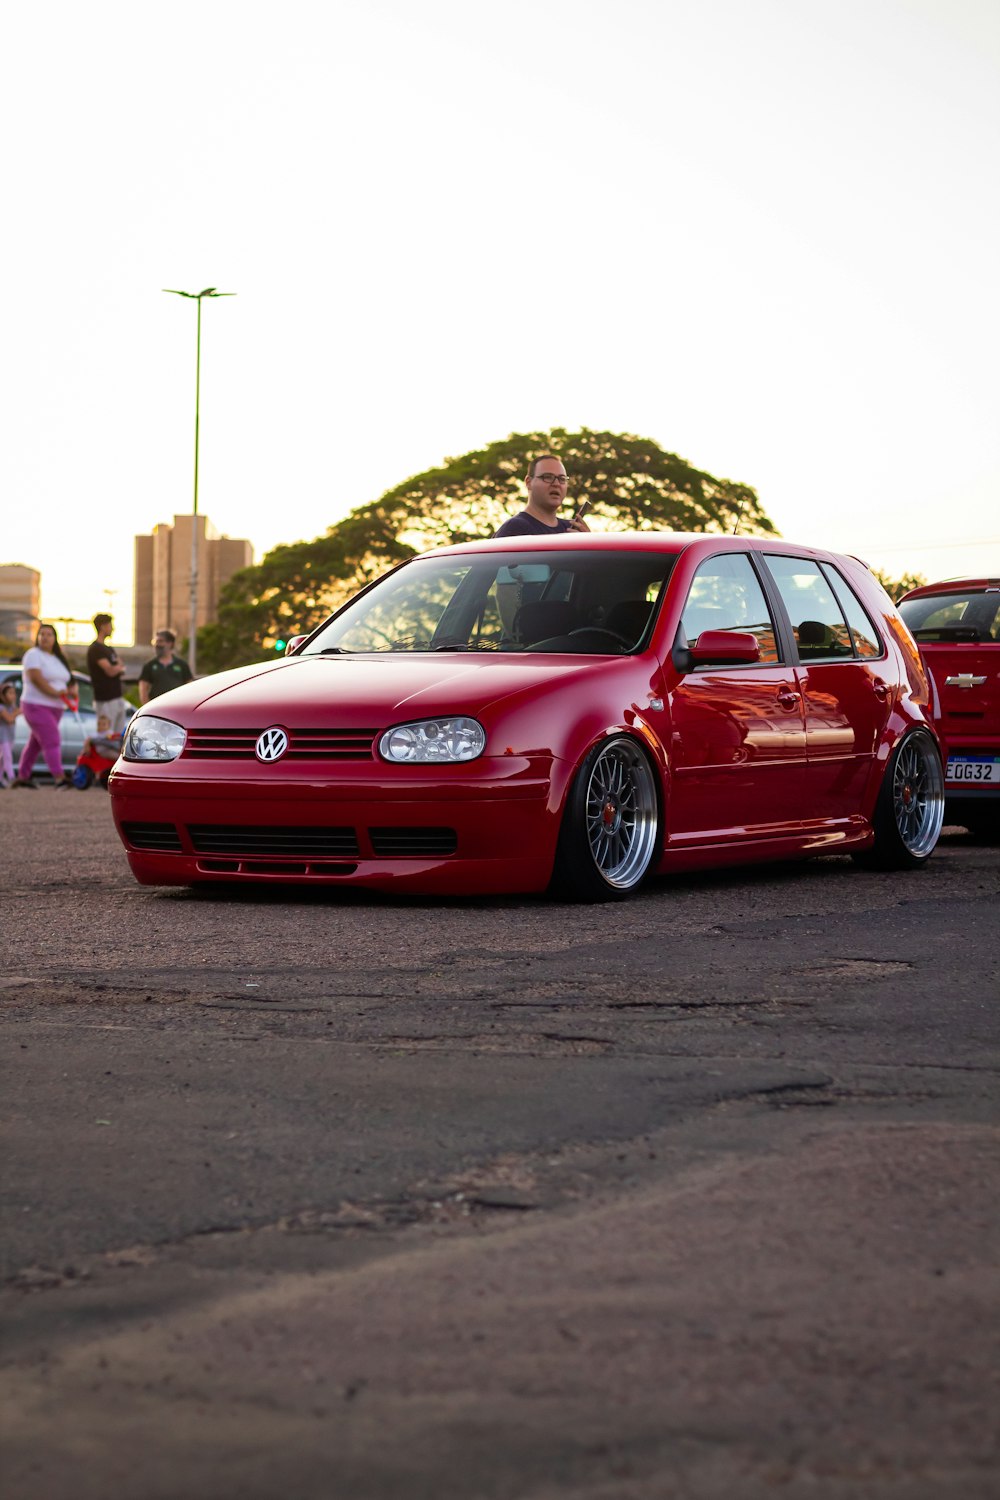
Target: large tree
631 483
897 587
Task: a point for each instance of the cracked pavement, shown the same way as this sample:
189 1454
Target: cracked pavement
332 1195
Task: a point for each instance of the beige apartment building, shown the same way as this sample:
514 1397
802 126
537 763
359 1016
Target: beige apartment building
20 601
163 575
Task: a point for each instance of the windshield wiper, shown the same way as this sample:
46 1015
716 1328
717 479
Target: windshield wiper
334 651
464 646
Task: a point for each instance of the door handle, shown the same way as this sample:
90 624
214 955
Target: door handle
880 689
787 698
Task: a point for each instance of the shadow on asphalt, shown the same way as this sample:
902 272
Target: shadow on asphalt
828 867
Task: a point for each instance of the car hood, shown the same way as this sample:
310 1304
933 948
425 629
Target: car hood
361 690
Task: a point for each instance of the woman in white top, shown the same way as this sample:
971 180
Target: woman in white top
45 692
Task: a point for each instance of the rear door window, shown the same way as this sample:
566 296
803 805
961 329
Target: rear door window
818 624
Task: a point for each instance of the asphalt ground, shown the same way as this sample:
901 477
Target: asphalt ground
331 1195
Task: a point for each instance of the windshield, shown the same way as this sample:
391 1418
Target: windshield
971 616
592 602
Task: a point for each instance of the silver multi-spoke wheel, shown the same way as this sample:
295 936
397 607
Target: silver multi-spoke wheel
621 814
909 811
918 795
610 834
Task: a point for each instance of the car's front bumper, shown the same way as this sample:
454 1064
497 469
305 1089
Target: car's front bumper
496 821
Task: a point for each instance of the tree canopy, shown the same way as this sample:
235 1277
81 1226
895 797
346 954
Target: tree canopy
897 587
631 482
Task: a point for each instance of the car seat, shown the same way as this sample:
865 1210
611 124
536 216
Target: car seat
543 618
816 639
628 618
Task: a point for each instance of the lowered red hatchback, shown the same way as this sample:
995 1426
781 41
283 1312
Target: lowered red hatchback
957 627
577 712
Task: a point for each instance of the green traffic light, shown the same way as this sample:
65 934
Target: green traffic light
280 645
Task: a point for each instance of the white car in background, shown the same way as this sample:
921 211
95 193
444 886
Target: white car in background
74 728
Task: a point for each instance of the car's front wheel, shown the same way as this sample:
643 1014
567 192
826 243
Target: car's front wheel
610 828
909 812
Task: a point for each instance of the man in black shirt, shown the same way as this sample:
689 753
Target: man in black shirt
164 671
546 482
106 673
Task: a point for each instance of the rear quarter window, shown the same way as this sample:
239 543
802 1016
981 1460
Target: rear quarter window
866 639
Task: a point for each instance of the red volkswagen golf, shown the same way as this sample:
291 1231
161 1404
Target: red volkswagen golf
578 712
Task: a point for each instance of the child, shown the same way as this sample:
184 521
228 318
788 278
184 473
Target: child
9 711
104 742
100 751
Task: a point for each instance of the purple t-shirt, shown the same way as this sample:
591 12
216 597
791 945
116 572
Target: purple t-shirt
524 525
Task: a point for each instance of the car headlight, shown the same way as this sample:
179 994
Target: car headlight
150 738
434 741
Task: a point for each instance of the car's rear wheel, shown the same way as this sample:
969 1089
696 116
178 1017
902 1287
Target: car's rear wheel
909 812
610 828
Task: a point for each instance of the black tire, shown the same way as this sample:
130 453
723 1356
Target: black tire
610 827
909 812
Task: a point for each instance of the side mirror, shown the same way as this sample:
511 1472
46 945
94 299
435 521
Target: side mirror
724 648
293 645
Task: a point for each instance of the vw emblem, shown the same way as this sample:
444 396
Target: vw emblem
271 745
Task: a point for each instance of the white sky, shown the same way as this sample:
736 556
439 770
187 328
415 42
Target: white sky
765 233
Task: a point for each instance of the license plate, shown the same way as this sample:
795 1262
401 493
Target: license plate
979 769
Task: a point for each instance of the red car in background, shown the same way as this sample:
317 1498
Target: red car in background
956 625
579 712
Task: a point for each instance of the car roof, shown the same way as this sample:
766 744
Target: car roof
669 542
952 586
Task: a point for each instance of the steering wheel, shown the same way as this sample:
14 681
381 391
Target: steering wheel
602 630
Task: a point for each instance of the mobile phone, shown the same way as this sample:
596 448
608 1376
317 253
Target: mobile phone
581 510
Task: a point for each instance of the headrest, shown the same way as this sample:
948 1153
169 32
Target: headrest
542 618
628 618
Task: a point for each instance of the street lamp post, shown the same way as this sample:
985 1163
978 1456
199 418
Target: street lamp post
196 297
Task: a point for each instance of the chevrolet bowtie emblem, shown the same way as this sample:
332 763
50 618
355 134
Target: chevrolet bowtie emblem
964 679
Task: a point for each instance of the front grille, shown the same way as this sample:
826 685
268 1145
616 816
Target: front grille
289 868
162 837
403 841
296 843
303 744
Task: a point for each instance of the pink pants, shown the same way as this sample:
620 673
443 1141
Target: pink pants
6 759
43 740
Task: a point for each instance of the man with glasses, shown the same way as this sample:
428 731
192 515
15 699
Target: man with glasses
165 671
546 482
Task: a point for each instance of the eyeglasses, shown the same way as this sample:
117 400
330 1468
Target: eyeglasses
553 478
